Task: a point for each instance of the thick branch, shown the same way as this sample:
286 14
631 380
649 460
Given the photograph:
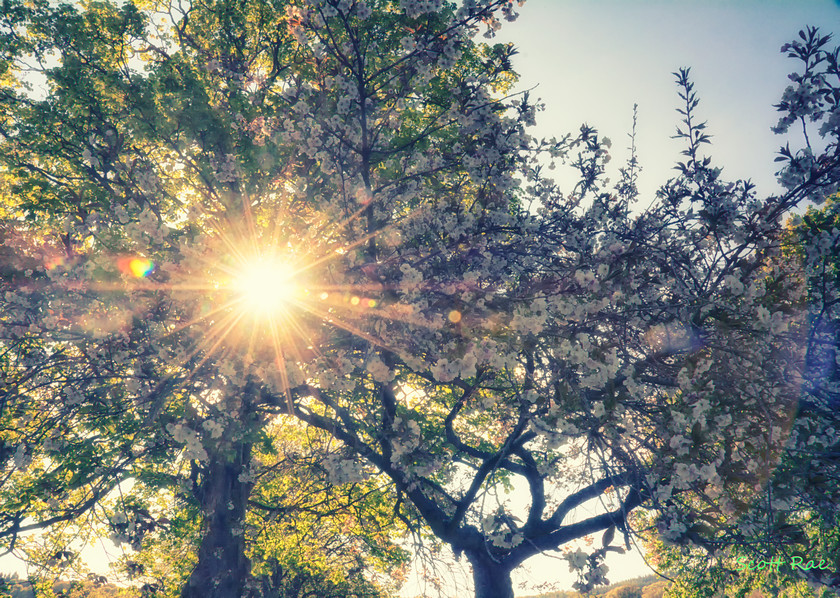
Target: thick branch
574 531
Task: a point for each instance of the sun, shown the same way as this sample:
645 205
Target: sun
266 286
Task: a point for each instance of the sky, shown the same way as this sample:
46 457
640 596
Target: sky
591 60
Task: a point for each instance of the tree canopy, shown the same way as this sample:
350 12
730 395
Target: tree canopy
293 268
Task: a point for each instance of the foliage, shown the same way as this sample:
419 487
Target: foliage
790 545
806 530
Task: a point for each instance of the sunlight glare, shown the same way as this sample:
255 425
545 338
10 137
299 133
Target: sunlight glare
266 286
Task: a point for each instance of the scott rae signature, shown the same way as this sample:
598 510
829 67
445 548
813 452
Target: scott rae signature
795 562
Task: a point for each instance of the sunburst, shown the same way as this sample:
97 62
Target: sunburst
270 289
266 286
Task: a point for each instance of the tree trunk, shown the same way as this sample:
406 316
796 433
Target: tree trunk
222 568
492 579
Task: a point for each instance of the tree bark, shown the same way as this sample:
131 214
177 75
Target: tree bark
491 578
222 569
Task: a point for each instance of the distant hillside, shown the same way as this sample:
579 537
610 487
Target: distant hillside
16 588
642 587
649 586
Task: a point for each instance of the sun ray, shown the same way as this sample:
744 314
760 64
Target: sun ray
221 337
333 319
190 323
281 368
155 409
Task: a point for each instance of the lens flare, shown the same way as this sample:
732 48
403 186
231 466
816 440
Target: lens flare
138 267
54 262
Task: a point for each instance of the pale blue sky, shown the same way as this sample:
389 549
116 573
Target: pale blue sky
592 59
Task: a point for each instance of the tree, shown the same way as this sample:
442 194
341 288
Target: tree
788 530
146 148
328 209
309 533
796 540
